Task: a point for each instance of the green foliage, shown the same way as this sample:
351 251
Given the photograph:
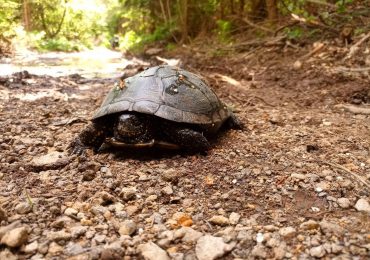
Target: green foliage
9 17
223 30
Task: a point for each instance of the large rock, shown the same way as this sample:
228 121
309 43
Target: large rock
151 251
15 237
209 247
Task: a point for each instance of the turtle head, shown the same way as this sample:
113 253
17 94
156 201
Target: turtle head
129 127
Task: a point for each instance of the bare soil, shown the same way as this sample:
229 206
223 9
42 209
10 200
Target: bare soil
299 159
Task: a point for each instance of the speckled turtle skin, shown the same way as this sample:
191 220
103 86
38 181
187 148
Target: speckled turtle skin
170 103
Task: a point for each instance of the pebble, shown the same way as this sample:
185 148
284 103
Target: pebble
287 232
331 228
54 249
259 251
279 252
298 176
219 220
9 227
58 235
167 190
128 193
31 248
6 254
170 175
234 218
189 235
15 237
150 251
317 251
78 231
209 247
344 203
23 208
362 205
70 212
128 227
309 225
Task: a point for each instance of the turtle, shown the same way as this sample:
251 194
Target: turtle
162 106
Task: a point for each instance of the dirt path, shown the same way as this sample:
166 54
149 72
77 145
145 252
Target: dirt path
295 184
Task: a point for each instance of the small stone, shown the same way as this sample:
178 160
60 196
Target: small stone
298 176
279 252
7 255
259 251
74 249
100 238
331 228
234 218
23 208
128 227
259 238
15 237
61 222
167 190
362 205
287 232
110 254
297 65
219 220
54 249
50 159
128 193
190 235
31 248
317 251
150 251
151 198
59 235
78 231
170 175
209 247
309 225
335 248
9 227
344 203
70 212
132 209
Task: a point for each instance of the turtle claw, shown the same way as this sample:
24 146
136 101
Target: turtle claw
76 147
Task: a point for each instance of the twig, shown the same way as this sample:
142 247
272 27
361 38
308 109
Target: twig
356 46
355 109
257 26
315 50
355 175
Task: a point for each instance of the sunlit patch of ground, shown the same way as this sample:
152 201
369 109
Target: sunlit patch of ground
98 62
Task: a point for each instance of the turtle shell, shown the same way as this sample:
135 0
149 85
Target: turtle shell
167 92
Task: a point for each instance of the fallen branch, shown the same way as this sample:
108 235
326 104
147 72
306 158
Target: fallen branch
344 69
356 46
262 28
353 174
354 109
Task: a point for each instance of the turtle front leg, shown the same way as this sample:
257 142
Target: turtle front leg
234 123
92 136
187 138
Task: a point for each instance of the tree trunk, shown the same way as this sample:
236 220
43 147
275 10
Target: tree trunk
241 8
26 15
272 11
183 14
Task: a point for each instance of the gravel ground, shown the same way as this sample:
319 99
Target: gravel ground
294 184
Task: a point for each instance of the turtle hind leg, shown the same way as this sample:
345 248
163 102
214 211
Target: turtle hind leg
234 123
187 138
